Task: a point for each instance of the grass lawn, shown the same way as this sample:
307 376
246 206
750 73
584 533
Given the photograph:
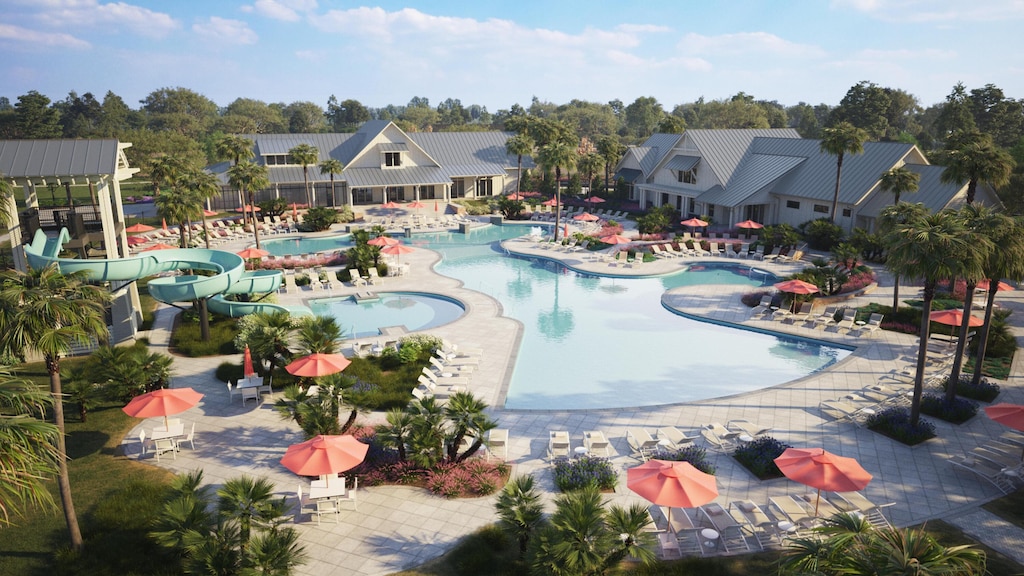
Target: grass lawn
114 497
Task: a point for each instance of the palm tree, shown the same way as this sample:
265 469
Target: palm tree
178 208
318 334
611 151
305 155
425 446
520 510
588 165
6 193
28 453
839 140
202 186
466 414
899 181
972 157
234 147
933 248
555 155
166 170
48 312
520 145
250 502
395 432
268 338
332 166
1005 262
249 177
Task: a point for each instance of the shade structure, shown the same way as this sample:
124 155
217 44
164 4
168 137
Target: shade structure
136 240
818 468
324 455
594 199
616 239
954 318
383 241
416 204
1000 287
247 369
158 246
749 225
796 287
672 484
551 202
251 253
162 402
515 196
586 217
137 228
318 364
248 208
397 250
694 223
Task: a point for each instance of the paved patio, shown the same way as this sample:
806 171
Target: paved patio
398 527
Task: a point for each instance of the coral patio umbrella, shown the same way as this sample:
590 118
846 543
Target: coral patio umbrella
416 204
749 225
383 241
954 318
594 200
247 363
586 217
1010 415
324 455
252 253
616 239
397 250
162 402
318 364
136 228
796 287
672 484
818 468
694 223
1001 287
550 202
248 208
136 240
158 246
516 196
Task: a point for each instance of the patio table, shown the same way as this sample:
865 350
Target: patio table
160 433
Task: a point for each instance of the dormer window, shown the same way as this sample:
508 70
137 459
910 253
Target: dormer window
687 176
393 159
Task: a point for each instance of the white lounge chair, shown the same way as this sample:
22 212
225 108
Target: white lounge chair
595 442
558 444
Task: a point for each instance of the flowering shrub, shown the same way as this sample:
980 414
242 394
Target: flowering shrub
901 327
332 259
759 457
697 456
576 473
608 229
895 423
857 282
985 391
958 411
473 477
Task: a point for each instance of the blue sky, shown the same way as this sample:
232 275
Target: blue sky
497 53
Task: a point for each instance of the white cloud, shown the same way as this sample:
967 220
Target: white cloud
906 54
286 10
759 44
642 28
312 55
225 31
935 11
37 38
112 16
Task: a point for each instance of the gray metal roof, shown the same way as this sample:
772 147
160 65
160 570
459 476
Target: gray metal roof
654 150
932 191
473 170
405 176
468 148
723 150
393 146
628 174
58 158
682 163
756 172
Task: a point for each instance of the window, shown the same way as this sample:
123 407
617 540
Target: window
393 159
687 176
847 212
485 187
458 187
277 160
394 193
821 208
427 192
362 196
792 204
691 206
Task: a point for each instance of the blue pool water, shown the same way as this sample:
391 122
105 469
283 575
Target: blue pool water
600 342
364 319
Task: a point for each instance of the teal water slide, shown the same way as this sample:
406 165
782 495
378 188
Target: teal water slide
230 275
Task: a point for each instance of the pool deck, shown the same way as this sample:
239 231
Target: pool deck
400 527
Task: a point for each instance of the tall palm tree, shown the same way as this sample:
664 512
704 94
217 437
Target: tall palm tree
1007 261
332 166
589 164
520 145
249 177
520 510
973 158
202 186
899 180
234 147
28 453
48 312
305 155
466 413
933 248
839 140
395 432
269 338
6 193
611 151
555 155
250 502
179 207
166 170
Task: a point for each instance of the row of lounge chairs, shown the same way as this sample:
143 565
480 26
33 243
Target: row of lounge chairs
666 439
450 371
858 406
826 320
998 461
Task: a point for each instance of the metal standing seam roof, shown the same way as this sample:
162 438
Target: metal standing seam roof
932 191
756 172
723 150
406 176
276 144
469 148
654 150
682 163
630 175
58 158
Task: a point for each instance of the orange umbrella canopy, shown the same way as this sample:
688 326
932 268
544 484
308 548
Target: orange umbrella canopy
162 402
594 199
551 202
383 241
390 205
416 204
954 318
796 287
136 228
158 246
616 239
396 249
818 468
250 253
675 484
136 240
1000 287
318 364
694 223
1011 415
586 217
324 455
516 196
209 213
247 369
248 208
750 224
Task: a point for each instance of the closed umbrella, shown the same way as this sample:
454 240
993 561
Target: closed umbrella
247 369
324 455
318 364
818 468
1000 287
672 484
162 402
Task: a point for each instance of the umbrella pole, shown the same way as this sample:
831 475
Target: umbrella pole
816 502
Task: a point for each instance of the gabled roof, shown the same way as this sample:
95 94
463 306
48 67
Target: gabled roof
756 172
654 150
723 150
406 176
33 159
682 163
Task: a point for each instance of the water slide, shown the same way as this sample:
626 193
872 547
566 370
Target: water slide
230 275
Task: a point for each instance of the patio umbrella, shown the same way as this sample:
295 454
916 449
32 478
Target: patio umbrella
318 364
817 468
550 202
324 455
516 196
209 213
162 402
136 240
749 225
586 217
248 208
616 239
796 287
435 205
1010 415
252 253
136 228
1000 287
158 246
594 199
397 250
383 241
672 484
694 223
417 204
247 363
954 318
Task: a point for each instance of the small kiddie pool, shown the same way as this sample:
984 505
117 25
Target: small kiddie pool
411 311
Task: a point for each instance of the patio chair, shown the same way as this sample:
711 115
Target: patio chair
874 324
841 410
847 322
142 442
162 445
763 307
802 314
827 316
857 502
558 444
190 438
497 443
793 511
773 254
992 473
350 496
730 532
641 442
675 437
718 437
327 507
758 252
668 544
250 393
354 278
595 442
306 506
747 427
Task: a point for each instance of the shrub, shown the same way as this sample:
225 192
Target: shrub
576 473
473 477
822 234
318 219
958 411
759 456
895 423
697 456
985 391
302 280
752 299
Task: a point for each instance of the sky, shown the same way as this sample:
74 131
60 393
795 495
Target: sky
497 53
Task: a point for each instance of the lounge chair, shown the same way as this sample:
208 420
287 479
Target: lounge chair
718 437
558 444
801 315
773 254
759 524
730 532
847 322
758 252
595 442
874 323
827 316
659 253
857 502
794 511
747 427
675 437
497 443
642 443
986 470
840 410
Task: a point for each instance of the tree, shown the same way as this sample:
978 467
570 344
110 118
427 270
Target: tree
1007 261
837 141
899 181
268 335
201 186
48 312
305 118
611 151
249 177
520 510
179 110
589 164
865 106
933 247
248 116
28 453
467 416
973 158
332 166
234 148
35 118
305 155
346 116
955 115
519 145
643 115
554 156
396 431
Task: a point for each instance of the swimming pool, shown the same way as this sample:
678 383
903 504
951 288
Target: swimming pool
410 310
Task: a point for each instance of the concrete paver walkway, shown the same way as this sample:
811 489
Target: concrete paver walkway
400 527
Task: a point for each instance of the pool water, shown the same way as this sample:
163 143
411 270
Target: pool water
413 311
